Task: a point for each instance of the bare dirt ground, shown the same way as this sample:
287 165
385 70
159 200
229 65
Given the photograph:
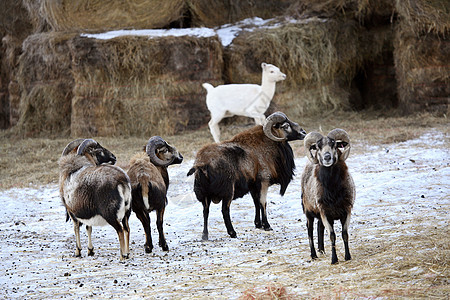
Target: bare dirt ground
399 232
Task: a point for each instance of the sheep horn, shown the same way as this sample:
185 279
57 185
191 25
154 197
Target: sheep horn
153 144
311 138
86 143
340 135
72 145
276 117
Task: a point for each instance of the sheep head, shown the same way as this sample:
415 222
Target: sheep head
161 153
91 148
279 128
99 154
326 151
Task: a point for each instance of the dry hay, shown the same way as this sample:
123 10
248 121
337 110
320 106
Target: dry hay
45 82
423 71
319 56
371 12
218 12
96 15
425 16
14 19
139 86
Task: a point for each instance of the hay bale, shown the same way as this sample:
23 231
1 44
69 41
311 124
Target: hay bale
425 16
97 15
45 82
319 56
368 12
219 12
134 85
423 71
14 19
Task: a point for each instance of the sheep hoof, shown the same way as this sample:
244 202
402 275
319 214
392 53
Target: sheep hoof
165 248
258 225
233 234
205 236
91 252
125 256
334 261
268 228
321 251
348 257
78 252
148 249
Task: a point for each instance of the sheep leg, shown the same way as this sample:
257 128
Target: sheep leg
214 128
121 235
206 203
310 226
256 201
126 228
263 206
329 225
144 217
76 228
320 234
345 223
159 225
227 219
90 246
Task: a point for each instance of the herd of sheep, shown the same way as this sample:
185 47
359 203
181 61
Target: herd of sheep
95 192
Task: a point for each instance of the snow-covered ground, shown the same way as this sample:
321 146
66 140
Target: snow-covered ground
397 185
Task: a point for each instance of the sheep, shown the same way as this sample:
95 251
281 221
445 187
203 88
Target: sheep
94 192
251 161
249 100
328 190
149 184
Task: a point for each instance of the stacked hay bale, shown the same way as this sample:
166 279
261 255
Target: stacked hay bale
98 15
321 52
212 13
46 82
15 26
422 55
133 85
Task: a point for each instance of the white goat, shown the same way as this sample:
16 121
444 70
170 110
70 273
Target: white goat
248 100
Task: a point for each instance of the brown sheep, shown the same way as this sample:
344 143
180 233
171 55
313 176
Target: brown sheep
149 183
251 161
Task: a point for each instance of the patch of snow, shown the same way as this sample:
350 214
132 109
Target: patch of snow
226 33
406 185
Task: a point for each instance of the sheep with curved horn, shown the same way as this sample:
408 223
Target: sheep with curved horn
328 190
149 184
251 161
94 192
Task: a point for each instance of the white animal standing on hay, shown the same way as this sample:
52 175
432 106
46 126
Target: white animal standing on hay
248 100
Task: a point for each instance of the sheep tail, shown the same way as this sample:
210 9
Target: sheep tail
208 87
191 171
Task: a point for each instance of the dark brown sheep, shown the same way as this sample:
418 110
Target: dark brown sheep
249 162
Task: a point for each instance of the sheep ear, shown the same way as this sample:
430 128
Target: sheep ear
311 153
342 141
343 148
310 143
263 65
